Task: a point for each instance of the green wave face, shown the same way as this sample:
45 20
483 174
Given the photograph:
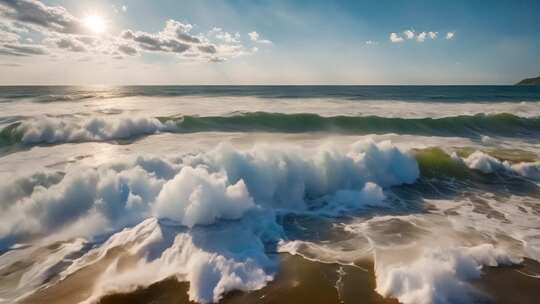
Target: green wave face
434 162
461 126
471 126
10 135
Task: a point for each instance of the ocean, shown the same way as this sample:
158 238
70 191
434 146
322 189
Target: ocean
270 194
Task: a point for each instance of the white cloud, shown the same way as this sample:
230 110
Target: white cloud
64 32
35 14
127 49
71 44
395 38
371 42
450 35
19 49
421 37
226 37
255 37
409 34
6 36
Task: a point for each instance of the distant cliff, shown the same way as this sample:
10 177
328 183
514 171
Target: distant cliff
530 81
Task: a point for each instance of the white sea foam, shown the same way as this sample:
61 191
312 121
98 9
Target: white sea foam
438 275
195 196
220 184
215 245
224 105
488 164
214 261
35 267
484 162
488 140
45 129
222 204
530 170
431 257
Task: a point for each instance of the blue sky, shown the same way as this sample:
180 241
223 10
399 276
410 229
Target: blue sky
297 42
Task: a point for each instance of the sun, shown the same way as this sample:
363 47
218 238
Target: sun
95 24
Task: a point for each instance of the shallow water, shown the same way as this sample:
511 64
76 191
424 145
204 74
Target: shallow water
269 194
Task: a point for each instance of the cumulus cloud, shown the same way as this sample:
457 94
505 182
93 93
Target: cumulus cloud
127 50
62 31
410 34
224 36
177 38
71 44
35 13
421 37
155 42
395 38
210 49
450 35
18 49
9 32
180 31
6 36
371 42
255 37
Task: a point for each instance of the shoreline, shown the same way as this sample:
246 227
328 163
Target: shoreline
303 281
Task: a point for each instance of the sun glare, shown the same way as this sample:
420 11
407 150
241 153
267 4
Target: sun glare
95 24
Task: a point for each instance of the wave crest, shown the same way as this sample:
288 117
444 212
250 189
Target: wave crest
222 204
75 129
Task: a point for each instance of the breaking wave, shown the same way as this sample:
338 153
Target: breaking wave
59 130
213 219
206 218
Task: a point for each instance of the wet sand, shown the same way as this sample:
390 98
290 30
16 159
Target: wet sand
303 281
299 281
78 286
511 285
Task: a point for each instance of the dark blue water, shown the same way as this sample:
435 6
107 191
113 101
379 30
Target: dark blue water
403 93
